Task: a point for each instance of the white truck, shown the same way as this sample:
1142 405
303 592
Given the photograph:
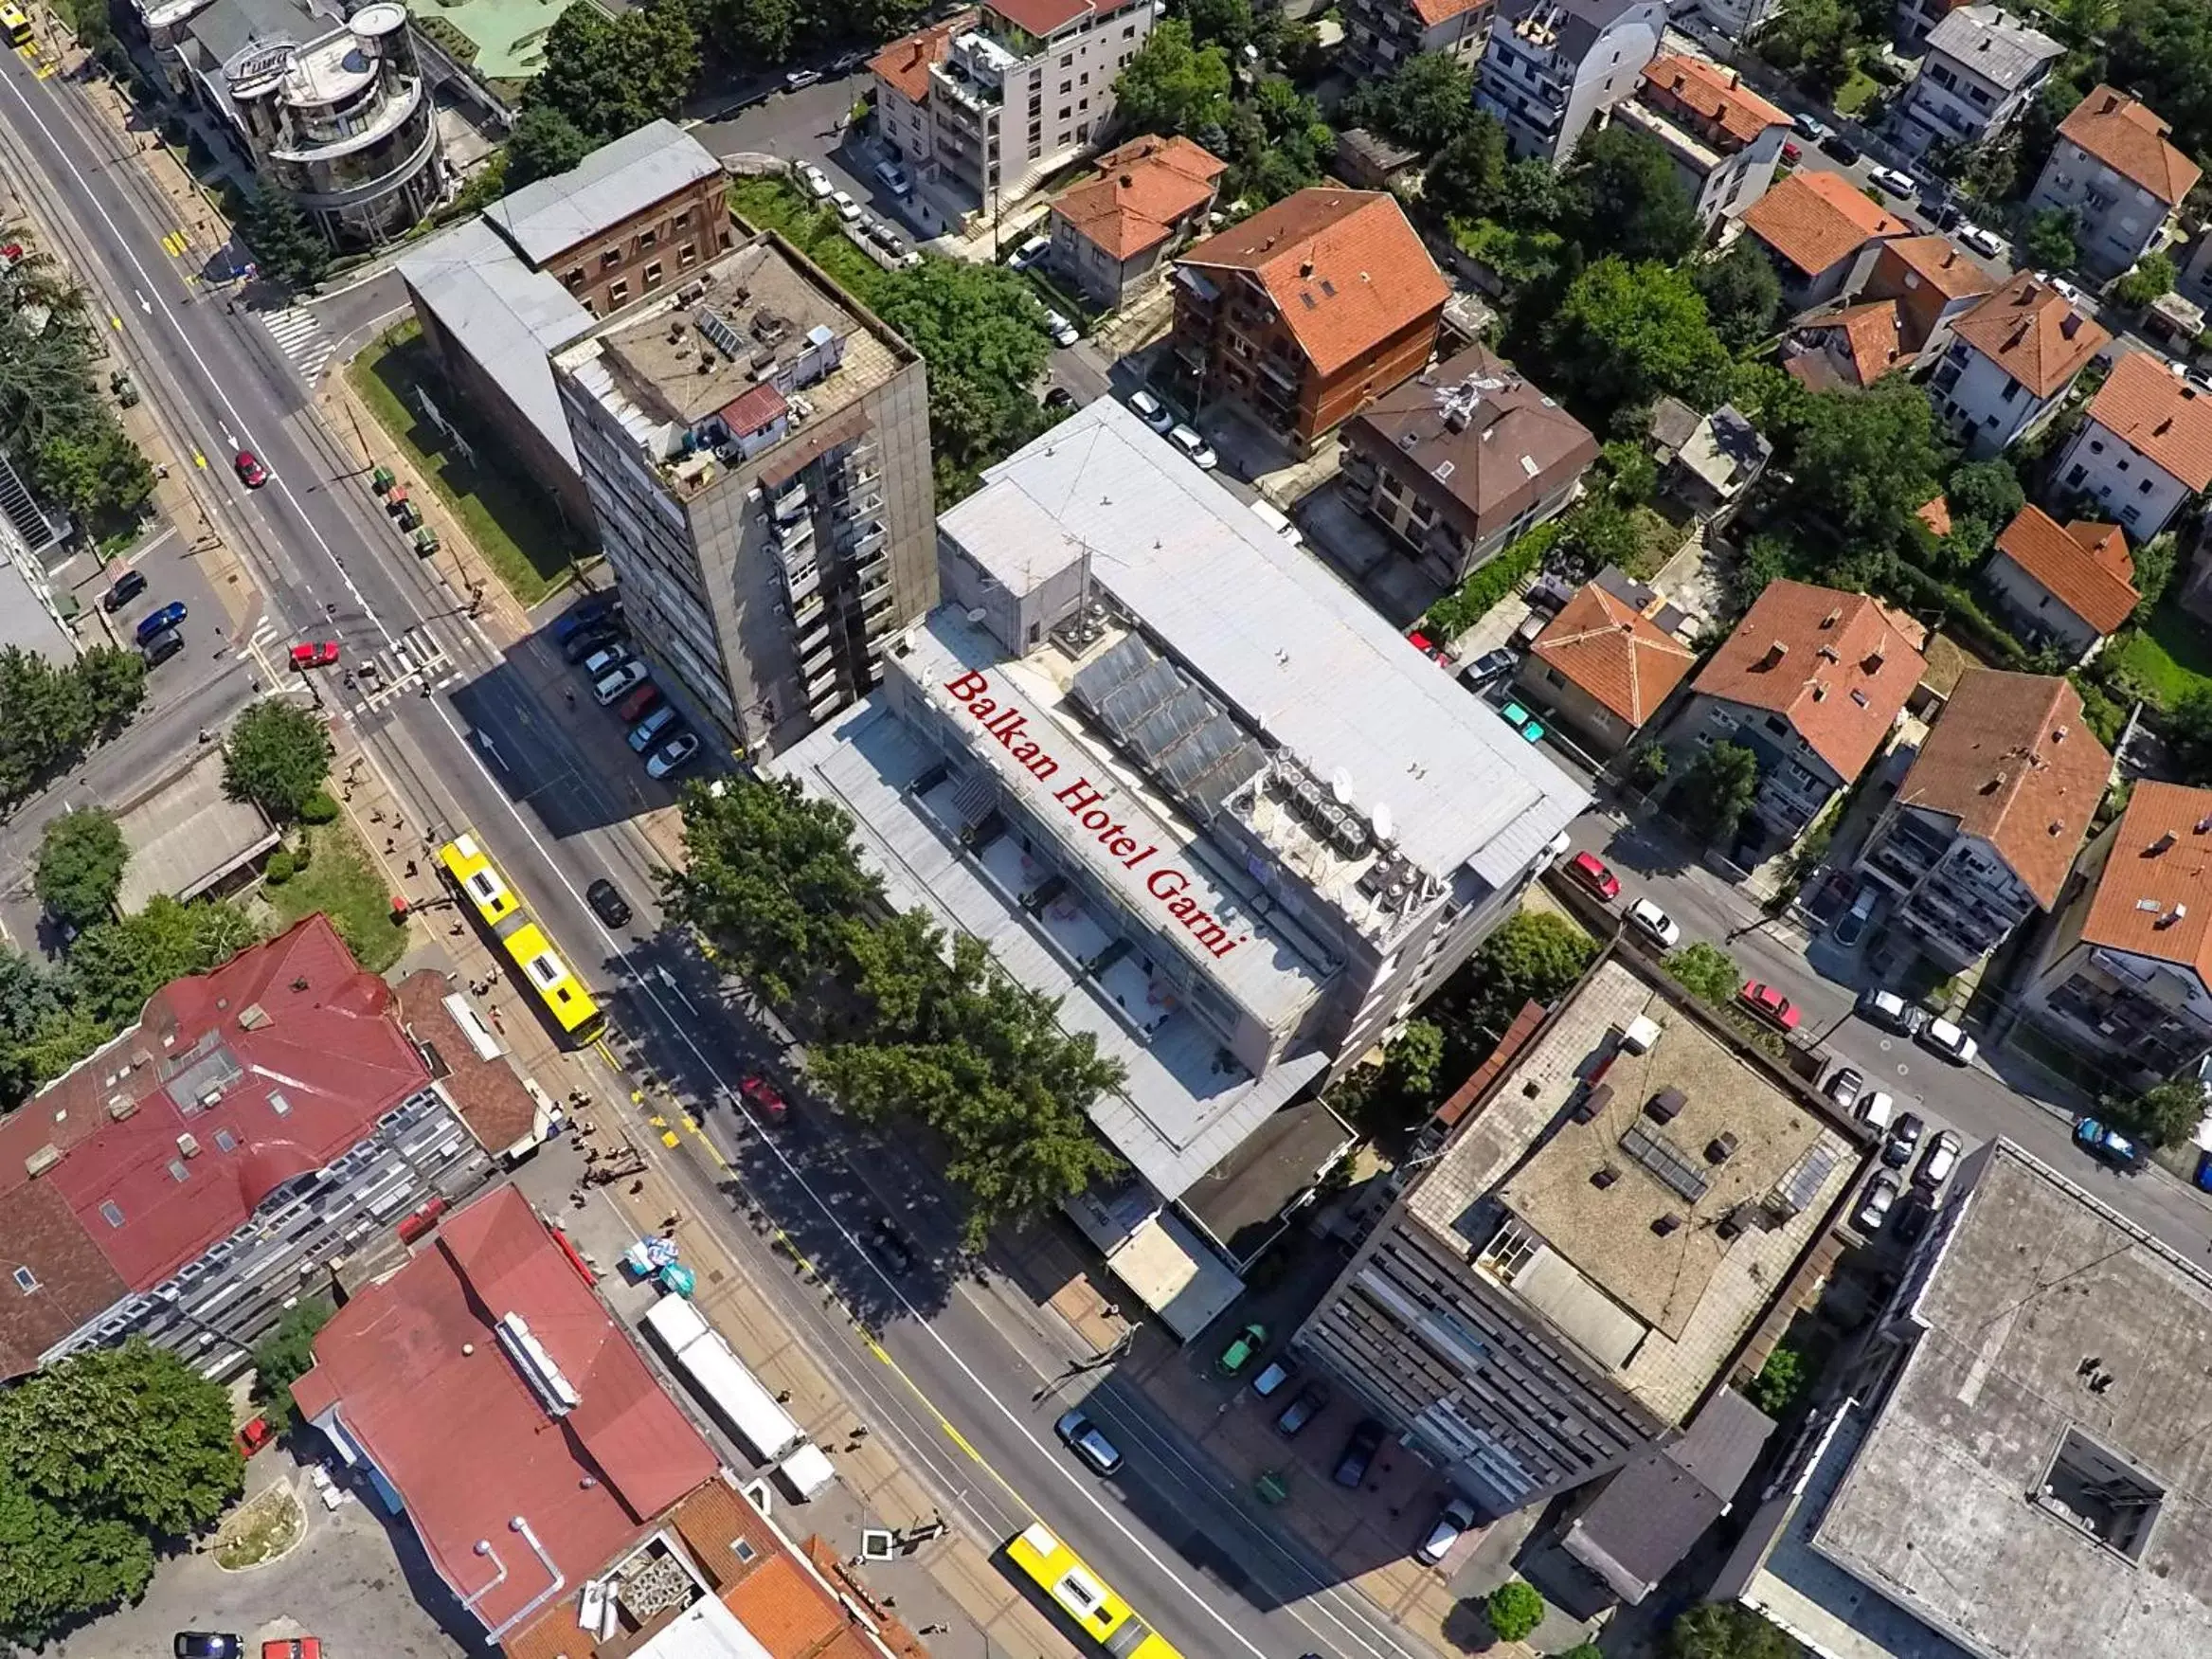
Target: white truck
740 1400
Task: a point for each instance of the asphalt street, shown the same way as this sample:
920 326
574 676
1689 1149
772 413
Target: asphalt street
488 750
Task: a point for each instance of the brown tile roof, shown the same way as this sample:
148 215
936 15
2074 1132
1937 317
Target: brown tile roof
2106 545
2030 331
1512 445
1614 653
1835 665
1815 218
2074 565
2129 139
1043 17
491 1098
1432 12
783 1606
1718 95
2154 896
1935 513
711 1521
1941 264
906 61
1145 189
2012 759
1870 338
2148 407
1343 267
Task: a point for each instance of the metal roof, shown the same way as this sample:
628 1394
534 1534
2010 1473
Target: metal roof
545 219
1994 44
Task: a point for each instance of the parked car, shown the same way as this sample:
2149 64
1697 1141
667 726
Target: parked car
816 182
1458 1516
1811 126
1943 1156
257 1433
1311 1401
600 610
1059 397
251 473
639 703
764 1097
1894 180
1359 1453
1243 1349
167 617
1891 1012
1904 1140
1152 412
1530 727
1873 1207
1791 155
1488 669
1200 452
1590 870
1273 1375
162 646
1950 1041
207 1645
1278 522
619 682
674 755
1655 924
608 903
1084 1439
592 641
1029 253
894 178
1877 1107
648 731
605 660
1852 927
795 79
886 238
845 63
1063 332
1946 215
1845 1085
293 1648
123 589
1835 145
2076 296
1769 1005
2106 1144
848 209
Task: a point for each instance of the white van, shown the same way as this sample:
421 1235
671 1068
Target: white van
1278 521
1877 1107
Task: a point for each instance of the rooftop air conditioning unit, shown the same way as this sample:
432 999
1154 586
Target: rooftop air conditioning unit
1641 1034
1667 1104
1666 1224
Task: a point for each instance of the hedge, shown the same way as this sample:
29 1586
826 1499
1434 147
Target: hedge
1455 613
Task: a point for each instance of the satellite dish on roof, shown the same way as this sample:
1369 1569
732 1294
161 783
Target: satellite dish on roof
1380 819
1341 787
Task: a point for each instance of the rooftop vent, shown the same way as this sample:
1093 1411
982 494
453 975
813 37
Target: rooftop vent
1667 1104
253 1016
1594 1101
1604 1177
1722 1147
188 1143
42 1160
1670 1223
120 1107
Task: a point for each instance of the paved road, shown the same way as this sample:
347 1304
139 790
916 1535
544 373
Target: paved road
488 748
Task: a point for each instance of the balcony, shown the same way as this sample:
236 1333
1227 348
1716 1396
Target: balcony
799 582
791 503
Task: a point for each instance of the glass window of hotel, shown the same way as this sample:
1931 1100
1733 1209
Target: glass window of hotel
647 238
653 276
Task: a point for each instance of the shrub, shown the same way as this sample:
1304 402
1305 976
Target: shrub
1455 613
282 868
1780 1380
1515 1608
318 808
1707 972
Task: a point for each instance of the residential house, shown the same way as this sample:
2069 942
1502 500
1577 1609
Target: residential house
901 72
2124 976
1551 67
2144 449
1821 234
1308 310
1111 234
1368 161
1724 139
2069 587
2194 282
1462 460
1854 346
1379 35
1933 282
1812 682
1983 830
1603 668
1707 461
2114 170
2010 362
1914 18
1983 64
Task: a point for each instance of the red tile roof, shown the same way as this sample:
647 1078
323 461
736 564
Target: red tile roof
1343 267
1869 336
2155 895
1941 264
1044 17
2030 331
1835 665
1815 218
1432 12
2014 761
1718 95
2131 141
487 1093
271 1066
2075 566
1143 191
906 61
785 1609
2164 418
418 1372
1613 652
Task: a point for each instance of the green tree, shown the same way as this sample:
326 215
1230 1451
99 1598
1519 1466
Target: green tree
1228 24
2162 51
612 73
1424 105
1727 1630
1466 179
1598 531
1812 41
543 143
1780 1380
485 185
2049 240
81 865
1529 196
115 964
285 1355
1533 957
283 241
1742 294
981 330
1623 335
2188 732
277 756
96 469
1514 1609
2166 1115
1173 84
1864 462
2154 564
1707 972
1412 1062
1624 196
2151 278
115 686
1715 791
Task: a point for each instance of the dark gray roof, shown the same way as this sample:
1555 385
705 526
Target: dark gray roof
1241 1199
1994 44
229 26
615 181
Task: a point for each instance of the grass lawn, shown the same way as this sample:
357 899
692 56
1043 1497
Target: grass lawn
260 1530
507 515
774 204
1851 97
340 882
2169 659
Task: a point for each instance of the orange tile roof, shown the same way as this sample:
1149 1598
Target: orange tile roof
2067 564
2127 138
2155 895
2030 331
1717 94
1814 218
2106 545
1343 267
1870 338
1614 653
1835 665
1432 12
1145 189
2146 406
786 1610
906 61
1935 513
2012 759
1942 264
711 1521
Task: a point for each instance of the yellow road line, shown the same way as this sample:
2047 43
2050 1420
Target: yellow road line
175 242
199 460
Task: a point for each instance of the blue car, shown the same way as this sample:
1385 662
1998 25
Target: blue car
596 609
2106 1144
167 617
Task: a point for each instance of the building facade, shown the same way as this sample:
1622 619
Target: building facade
1822 236
757 453
1379 35
1930 283
2114 170
2068 587
1723 138
2144 450
2010 363
1982 66
1551 67
1112 235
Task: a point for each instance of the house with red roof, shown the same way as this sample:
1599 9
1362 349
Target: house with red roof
2010 363
1379 35
1723 138
258 1122
2114 172
2144 449
1821 235
1111 233
1604 667
2068 585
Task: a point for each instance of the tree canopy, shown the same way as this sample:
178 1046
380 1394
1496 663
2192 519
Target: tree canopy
1864 462
1727 1630
1624 197
1514 1609
277 756
1716 790
1173 84
1426 104
2162 51
50 715
1742 294
283 243
286 1353
54 418
1534 956
1625 333
1468 178
79 865
1707 972
610 73
1811 40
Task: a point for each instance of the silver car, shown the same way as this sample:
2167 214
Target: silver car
1459 1515
1083 1438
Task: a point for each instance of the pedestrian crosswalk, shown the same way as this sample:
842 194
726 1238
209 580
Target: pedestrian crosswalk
413 663
298 333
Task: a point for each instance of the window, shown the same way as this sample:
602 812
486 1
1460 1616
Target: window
683 220
575 279
111 1213
742 1548
2011 390
1067 60
225 1140
618 293
1128 32
2143 488
611 258
647 239
651 276
177 1171
685 257
26 1280
1066 112
277 1104
1067 85
1776 724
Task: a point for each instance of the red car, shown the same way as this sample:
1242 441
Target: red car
1427 646
1588 868
251 473
764 1098
1790 153
314 653
1769 1003
294 1648
255 1436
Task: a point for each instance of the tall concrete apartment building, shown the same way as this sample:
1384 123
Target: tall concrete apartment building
756 450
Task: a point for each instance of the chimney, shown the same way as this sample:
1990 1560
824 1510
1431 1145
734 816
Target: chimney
1306 267
1775 652
2071 324
1831 619
1127 180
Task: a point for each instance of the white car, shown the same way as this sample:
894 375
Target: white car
1029 253
2074 294
1151 411
816 182
1655 924
1882 1192
894 178
1278 522
1083 1438
1878 1109
1892 179
1458 1516
676 752
627 679
1062 330
1942 1158
848 209
601 664
1187 440
1985 242
1950 1041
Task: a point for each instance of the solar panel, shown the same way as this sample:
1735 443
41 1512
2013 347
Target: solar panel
1114 667
1803 1183
1153 738
1665 1161
713 325
1128 703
